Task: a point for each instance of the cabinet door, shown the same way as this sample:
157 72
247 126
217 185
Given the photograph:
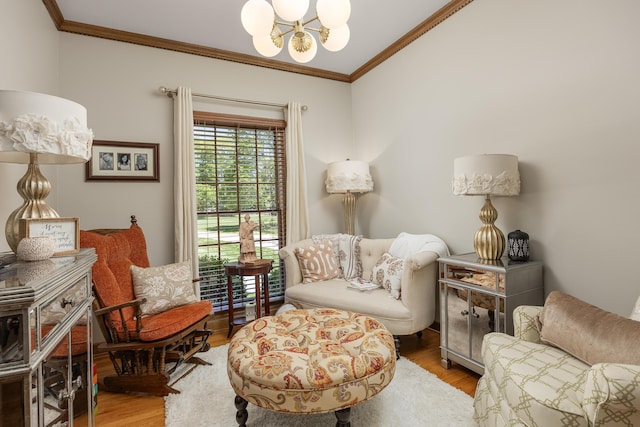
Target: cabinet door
471 315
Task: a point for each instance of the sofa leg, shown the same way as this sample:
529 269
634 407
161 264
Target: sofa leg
419 334
396 341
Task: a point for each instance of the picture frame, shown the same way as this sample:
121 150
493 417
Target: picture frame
65 232
123 161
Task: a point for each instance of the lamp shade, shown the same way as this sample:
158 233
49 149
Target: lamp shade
494 174
52 127
349 175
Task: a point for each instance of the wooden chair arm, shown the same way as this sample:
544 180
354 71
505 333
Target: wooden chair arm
133 303
110 331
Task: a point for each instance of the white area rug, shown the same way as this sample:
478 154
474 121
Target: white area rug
414 397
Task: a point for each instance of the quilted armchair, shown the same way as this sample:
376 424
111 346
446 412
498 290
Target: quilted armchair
530 382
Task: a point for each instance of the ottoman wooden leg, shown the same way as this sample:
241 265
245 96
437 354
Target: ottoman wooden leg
343 417
241 414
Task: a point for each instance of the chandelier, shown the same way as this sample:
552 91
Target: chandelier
268 30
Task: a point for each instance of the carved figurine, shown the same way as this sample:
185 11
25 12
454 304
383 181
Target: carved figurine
247 245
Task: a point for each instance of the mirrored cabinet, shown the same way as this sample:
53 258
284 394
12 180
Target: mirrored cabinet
477 297
47 375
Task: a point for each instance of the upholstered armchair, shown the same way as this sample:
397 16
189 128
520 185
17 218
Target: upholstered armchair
569 364
146 342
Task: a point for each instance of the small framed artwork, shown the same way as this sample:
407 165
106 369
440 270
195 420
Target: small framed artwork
123 161
65 232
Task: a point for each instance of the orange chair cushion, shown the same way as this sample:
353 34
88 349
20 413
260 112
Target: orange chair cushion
78 341
163 325
112 271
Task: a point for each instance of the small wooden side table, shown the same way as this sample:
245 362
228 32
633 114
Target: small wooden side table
256 270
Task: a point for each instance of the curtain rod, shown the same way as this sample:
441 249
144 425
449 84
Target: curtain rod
170 93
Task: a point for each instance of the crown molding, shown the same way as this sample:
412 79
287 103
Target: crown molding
160 43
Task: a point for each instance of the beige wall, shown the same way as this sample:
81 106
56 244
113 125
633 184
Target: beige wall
552 82
118 83
29 45
555 83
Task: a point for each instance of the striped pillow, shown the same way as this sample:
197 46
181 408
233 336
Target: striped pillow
317 262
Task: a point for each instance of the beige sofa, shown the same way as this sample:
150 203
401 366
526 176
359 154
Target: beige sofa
413 312
589 377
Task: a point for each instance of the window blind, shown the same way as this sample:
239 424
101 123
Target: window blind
240 169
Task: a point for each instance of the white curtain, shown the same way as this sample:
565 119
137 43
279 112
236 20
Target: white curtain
184 186
297 209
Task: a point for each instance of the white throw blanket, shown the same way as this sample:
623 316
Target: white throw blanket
408 244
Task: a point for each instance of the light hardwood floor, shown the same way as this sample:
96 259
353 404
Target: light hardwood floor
116 410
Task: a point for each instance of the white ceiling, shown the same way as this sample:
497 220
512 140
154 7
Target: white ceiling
374 24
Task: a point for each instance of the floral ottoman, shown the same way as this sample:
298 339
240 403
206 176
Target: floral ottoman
310 361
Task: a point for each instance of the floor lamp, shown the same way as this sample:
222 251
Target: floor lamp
35 129
487 175
349 177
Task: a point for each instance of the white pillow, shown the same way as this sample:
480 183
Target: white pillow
635 314
164 287
388 273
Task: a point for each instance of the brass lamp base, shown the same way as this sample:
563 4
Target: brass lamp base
489 242
34 188
349 203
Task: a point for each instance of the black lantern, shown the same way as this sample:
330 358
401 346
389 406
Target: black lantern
518 246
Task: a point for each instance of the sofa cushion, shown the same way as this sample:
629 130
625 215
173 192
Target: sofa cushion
336 294
163 287
387 273
587 332
317 262
542 384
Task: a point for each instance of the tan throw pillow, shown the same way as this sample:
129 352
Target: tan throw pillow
164 287
317 262
388 273
587 332
346 248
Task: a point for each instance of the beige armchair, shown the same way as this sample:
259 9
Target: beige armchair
414 311
528 382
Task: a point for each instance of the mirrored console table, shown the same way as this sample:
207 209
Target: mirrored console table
477 297
46 358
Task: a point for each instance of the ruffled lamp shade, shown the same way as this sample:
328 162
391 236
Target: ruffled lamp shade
38 128
348 177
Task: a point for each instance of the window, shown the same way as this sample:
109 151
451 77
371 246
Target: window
240 169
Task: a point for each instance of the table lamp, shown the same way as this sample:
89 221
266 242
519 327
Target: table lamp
348 177
487 175
36 128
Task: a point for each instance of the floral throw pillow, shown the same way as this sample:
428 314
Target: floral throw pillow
388 272
317 262
164 287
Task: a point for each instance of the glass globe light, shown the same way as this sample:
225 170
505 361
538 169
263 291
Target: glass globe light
257 17
291 10
338 38
333 13
303 56
265 46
